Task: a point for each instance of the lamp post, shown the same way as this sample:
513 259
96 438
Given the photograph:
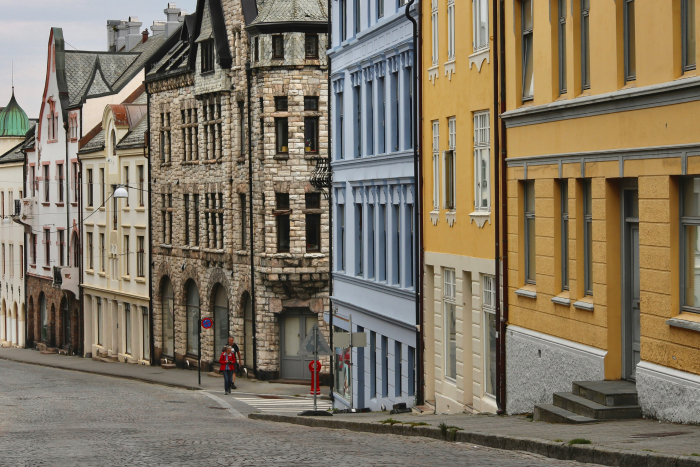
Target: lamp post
120 192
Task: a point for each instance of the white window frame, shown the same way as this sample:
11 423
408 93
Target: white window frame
436 165
435 31
451 30
479 7
449 298
482 160
489 306
452 153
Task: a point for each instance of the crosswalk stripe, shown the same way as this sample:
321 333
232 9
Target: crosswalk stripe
283 405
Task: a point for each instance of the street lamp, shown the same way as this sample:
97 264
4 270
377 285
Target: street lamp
120 192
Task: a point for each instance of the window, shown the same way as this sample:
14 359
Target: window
384 252
690 220
311 135
192 318
313 223
491 332
358 25
196 219
213 215
396 250
380 9
186 205
369 121
343 20
311 42
564 188
358 121
282 215
341 126
278 47
12 260
46 184
21 261
32 180
163 217
115 208
530 252
371 260
585 44
561 32
165 140
588 237
89 251
190 134
99 321
373 376
394 87
688 31
146 334
385 366
103 252
90 200
207 58
75 182
436 165
244 222
47 247
33 248
527 43
127 256
127 327
435 32
241 127
450 314
211 113
2 203
61 247
282 134
281 104
449 167
630 46
102 187
126 185
341 224
141 256
398 369
359 221
61 180
141 187
4 262
256 50
482 157
481 24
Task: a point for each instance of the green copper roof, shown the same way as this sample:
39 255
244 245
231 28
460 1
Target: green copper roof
13 120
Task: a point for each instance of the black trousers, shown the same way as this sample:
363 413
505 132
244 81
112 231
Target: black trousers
228 380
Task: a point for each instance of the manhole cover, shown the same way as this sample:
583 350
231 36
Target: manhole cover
270 397
659 435
218 408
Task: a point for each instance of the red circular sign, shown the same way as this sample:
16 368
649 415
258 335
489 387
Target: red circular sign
207 323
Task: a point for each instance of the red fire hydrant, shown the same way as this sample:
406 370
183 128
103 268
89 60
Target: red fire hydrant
315 385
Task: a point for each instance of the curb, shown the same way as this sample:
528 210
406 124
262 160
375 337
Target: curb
591 454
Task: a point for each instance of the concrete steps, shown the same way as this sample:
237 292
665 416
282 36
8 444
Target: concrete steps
592 401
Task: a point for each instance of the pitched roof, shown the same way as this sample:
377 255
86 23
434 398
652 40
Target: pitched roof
287 11
136 137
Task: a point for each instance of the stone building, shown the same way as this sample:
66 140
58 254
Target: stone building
246 84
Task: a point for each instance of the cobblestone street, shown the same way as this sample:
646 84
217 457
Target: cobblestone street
57 417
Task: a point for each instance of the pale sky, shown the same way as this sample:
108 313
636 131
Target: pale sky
24 35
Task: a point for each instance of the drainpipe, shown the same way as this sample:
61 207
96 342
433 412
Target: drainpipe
24 255
329 42
501 206
151 344
249 77
67 232
417 199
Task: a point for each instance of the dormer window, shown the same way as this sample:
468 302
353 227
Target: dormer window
277 47
207 56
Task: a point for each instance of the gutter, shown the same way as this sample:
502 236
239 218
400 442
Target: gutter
417 199
249 76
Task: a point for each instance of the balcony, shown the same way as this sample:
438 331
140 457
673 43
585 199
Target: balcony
24 212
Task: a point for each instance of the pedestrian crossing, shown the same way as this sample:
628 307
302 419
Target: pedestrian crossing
283 405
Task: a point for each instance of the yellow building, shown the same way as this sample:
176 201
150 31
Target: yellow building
603 172
459 281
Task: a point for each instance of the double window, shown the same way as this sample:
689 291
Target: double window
688 32
212 124
190 134
690 221
482 169
527 28
530 233
450 313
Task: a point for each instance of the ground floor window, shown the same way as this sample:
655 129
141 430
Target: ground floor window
99 321
490 331
127 327
691 236
342 370
146 341
450 312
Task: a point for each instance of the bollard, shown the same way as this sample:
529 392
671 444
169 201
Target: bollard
315 385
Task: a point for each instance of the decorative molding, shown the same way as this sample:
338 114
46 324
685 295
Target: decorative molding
433 73
434 217
479 57
451 217
480 218
374 285
450 69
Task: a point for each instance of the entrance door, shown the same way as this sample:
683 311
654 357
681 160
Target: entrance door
248 333
66 325
631 329
294 326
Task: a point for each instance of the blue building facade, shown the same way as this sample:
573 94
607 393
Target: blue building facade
373 202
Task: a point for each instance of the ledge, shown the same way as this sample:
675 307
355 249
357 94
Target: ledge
480 218
478 58
450 69
581 305
140 280
433 73
559 300
678 322
434 217
527 293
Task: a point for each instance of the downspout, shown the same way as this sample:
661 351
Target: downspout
329 42
151 344
249 77
417 199
24 253
501 213
67 231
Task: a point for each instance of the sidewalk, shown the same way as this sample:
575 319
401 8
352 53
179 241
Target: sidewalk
186 379
638 443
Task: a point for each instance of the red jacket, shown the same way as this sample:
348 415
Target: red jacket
227 363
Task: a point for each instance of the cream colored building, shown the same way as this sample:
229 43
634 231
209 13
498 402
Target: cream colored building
115 234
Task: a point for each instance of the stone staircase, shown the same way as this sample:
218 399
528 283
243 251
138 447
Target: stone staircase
103 357
592 401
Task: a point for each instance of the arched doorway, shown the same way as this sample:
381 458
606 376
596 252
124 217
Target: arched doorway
44 318
168 319
221 320
192 301
248 332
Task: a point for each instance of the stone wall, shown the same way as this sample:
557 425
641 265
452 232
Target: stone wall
54 302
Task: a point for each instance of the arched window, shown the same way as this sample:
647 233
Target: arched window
192 318
44 318
168 319
220 320
248 330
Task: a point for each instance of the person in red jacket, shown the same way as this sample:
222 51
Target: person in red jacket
228 363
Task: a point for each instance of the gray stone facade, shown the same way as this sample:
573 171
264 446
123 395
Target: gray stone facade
211 253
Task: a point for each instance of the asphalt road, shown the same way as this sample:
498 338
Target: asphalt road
52 417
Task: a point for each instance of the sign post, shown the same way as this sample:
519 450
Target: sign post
316 345
205 323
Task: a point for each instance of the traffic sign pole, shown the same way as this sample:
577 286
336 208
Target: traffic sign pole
199 353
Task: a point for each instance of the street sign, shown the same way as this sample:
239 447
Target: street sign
342 339
319 347
207 323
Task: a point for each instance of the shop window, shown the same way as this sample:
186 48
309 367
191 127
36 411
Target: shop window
450 316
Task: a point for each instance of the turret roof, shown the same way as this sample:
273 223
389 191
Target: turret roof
13 120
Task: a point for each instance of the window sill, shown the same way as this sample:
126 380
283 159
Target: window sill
46 268
33 266
242 252
480 218
140 280
435 217
584 304
165 246
689 321
74 204
88 208
126 278
450 69
60 205
562 299
141 209
281 156
102 274
528 291
433 73
46 203
102 208
281 255
451 217
126 209
478 57
314 255
90 271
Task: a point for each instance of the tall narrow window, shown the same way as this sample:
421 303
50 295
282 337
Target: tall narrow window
398 370
491 332
126 186
341 126
381 116
481 24
343 20
61 182
561 33
395 104
127 256
358 24
450 316
527 55
103 253
396 250
630 44
358 121
141 256
102 187
282 134
278 47
688 31
32 180
282 215
373 376
141 187
435 32
90 250
359 221
385 366
207 58
256 52
46 184
530 252
115 208
61 247
370 117
241 127
244 222
380 9
482 157
588 236
585 44
451 30
127 327
384 253
186 205
371 261
47 247
89 188
341 224
311 135
75 182
436 165
196 219
564 187
449 166
313 222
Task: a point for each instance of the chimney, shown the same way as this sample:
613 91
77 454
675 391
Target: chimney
158 28
144 34
172 13
134 37
112 34
121 35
